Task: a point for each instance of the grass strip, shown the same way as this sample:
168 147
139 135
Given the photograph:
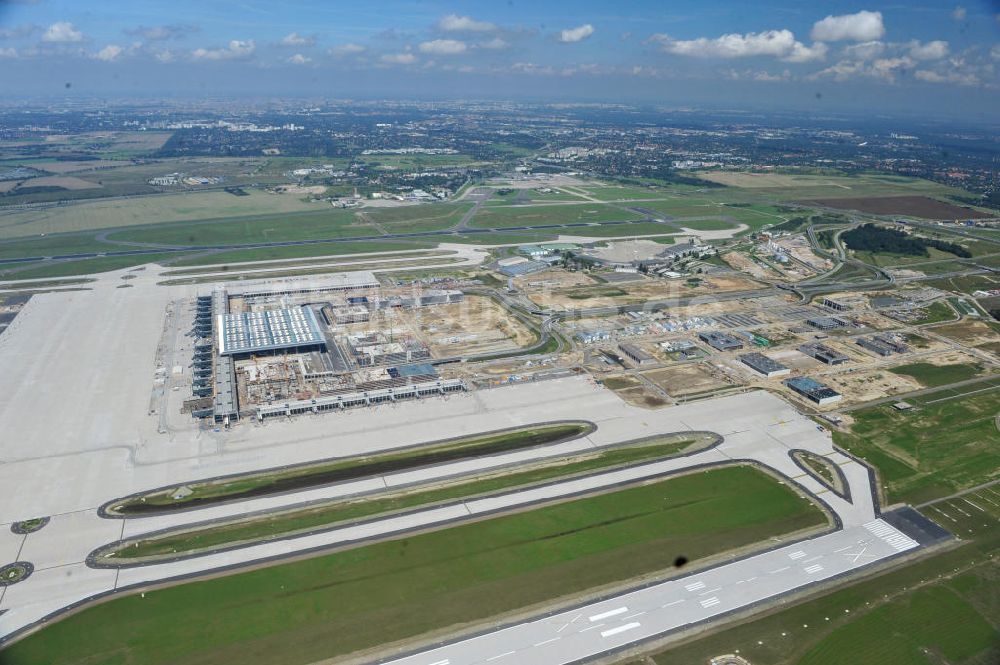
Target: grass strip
274 481
375 596
218 535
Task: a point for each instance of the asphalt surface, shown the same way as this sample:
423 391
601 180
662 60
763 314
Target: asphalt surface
589 631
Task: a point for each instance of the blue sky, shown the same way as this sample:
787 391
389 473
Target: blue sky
941 56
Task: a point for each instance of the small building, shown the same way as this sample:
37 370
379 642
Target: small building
534 251
875 346
637 355
813 390
720 340
764 365
824 353
902 406
826 323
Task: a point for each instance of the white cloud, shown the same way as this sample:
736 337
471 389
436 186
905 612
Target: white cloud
455 23
888 68
62 32
166 55
576 34
961 78
237 49
864 50
959 13
9 52
934 50
495 44
865 26
398 58
995 52
802 53
347 49
295 39
109 53
443 47
299 59
772 43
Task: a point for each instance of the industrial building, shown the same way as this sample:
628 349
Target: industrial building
246 333
826 323
637 355
824 353
814 390
764 365
720 340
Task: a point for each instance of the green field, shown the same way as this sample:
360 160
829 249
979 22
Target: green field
499 217
372 596
932 376
273 481
323 516
149 210
936 449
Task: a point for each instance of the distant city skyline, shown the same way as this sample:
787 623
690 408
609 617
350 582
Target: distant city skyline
938 56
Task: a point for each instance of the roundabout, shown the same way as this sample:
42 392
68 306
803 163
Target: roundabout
12 573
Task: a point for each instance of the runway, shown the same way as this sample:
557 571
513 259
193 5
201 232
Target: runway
589 631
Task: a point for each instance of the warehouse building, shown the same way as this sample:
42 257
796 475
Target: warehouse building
720 340
824 353
826 323
637 355
814 390
254 333
764 365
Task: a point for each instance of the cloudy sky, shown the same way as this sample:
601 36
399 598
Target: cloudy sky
912 55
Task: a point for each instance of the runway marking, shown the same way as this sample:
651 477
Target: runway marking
811 559
695 586
498 657
815 568
751 579
705 593
798 554
673 602
979 508
554 639
611 613
856 556
889 534
620 629
778 570
843 549
632 616
709 602
572 621
596 625
442 662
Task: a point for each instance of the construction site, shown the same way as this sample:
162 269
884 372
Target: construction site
304 346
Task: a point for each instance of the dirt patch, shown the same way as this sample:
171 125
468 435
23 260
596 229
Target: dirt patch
475 325
553 279
82 165
915 206
300 189
65 182
686 379
973 333
605 295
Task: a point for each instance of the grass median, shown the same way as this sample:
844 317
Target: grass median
249 530
374 596
306 476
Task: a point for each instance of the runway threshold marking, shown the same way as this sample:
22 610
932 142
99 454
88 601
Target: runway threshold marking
709 602
620 629
798 554
815 568
608 614
695 586
442 662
